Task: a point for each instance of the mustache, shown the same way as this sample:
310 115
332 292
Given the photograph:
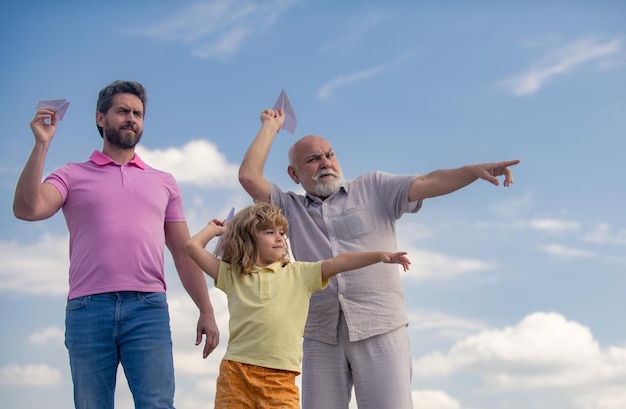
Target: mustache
325 173
129 125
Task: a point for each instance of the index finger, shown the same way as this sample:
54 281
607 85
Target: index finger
45 110
208 348
509 162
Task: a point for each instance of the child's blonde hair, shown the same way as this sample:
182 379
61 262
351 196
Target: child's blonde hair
238 244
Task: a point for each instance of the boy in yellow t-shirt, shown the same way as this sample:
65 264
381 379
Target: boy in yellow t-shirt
268 301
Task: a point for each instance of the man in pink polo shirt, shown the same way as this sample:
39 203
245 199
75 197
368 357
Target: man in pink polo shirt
120 213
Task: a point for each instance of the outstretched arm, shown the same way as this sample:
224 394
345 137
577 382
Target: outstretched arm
176 237
251 169
352 261
442 182
34 200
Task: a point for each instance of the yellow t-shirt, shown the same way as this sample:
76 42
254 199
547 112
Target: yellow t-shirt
268 309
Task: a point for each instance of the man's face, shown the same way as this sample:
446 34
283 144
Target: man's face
122 124
316 167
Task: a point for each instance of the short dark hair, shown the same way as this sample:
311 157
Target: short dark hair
105 97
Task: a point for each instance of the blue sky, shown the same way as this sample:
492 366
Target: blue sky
515 295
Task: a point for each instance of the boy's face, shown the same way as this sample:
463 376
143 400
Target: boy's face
271 246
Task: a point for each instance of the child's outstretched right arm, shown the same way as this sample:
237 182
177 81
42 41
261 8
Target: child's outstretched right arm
352 261
195 248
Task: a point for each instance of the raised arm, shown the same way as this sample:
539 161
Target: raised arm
442 182
251 169
352 261
195 247
176 237
33 199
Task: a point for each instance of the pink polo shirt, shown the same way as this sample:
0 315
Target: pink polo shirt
115 215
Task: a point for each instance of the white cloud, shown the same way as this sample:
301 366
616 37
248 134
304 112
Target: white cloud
31 375
198 163
48 335
542 351
183 318
356 31
195 377
553 225
327 89
607 398
514 206
226 44
604 234
39 268
217 29
443 325
561 61
430 399
567 252
427 265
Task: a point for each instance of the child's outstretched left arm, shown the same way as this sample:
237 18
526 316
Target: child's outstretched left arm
352 261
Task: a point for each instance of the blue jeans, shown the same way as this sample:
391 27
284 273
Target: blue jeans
128 327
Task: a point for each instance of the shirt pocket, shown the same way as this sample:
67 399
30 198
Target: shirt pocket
354 223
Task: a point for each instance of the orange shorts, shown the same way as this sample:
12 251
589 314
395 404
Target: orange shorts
242 385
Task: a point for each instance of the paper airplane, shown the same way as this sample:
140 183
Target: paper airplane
290 118
59 105
230 215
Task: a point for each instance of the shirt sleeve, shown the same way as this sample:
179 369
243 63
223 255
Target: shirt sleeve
59 179
311 275
224 277
174 211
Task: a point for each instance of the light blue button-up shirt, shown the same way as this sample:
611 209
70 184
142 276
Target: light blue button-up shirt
360 216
